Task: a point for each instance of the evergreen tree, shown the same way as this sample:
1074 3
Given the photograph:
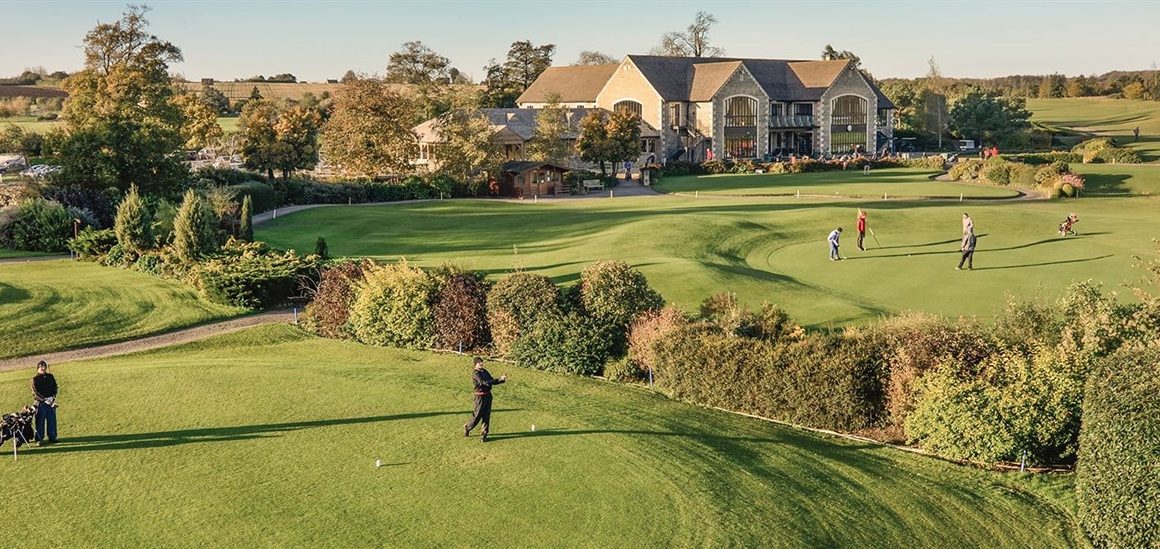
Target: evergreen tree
194 230
133 224
321 249
246 227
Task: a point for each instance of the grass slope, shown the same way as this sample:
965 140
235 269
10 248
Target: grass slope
277 448
56 305
762 249
1105 117
898 183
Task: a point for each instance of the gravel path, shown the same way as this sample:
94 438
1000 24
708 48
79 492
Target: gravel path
152 342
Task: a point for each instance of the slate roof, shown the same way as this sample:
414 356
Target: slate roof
577 84
522 123
520 166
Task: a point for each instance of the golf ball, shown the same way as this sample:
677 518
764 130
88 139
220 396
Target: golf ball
378 463
533 426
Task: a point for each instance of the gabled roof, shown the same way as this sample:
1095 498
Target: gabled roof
522 124
709 77
576 84
520 166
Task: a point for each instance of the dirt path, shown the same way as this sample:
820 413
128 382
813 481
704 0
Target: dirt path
151 342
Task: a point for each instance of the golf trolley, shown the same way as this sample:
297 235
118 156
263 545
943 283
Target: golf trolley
18 427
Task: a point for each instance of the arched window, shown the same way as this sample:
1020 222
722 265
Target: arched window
629 105
740 127
847 124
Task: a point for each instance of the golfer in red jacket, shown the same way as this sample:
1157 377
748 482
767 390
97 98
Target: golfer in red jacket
861 228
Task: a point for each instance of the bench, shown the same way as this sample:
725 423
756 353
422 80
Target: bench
593 184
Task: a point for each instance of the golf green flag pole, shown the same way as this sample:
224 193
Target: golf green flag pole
879 244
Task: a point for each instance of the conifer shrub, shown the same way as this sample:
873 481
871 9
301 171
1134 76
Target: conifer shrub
133 223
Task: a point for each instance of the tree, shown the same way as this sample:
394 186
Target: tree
1053 85
988 116
591 57
523 65
348 76
830 54
259 144
255 95
246 224
465 150
548 143
1135 90
416 64
296 140
194 229
215 99
369 132
120 116
694 42
623 136
200 128
592 143
133 224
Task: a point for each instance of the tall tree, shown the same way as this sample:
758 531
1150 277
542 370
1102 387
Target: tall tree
623 136
693 42
592 57
133 224
524 63
259 139
548 143
988 117
296 138
416 64
369 131
120 117
592 142
465 151
830 54
200 127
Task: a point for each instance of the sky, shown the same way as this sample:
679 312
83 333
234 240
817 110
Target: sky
321 39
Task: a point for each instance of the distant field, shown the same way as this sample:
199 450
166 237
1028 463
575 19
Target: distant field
28 123
241 90
1102 116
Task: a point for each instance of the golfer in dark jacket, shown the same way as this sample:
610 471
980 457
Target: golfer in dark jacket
44 393
482 414
968 249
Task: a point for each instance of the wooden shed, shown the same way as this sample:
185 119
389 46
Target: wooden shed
525 178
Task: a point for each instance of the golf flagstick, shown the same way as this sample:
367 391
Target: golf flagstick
875 237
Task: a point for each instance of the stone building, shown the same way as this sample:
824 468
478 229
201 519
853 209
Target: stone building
735 108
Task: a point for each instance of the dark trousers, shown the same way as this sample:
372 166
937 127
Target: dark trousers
968 258
45 414
481 414
861 237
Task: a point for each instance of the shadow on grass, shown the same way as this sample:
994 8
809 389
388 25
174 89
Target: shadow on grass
163 439
1044 264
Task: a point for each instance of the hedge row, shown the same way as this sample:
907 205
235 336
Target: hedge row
800 165
276 193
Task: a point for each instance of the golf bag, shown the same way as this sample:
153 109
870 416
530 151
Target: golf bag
1065 228
18 425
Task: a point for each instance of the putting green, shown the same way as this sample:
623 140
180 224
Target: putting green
269 437
56 305
895 182
761 249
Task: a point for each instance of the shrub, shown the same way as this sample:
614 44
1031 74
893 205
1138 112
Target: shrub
1119 452
966 170
776 168
715 166
1094 144
262 194
328 313
1046 176
996 171
613 294
39 225
516 303
246 221
565 343
1045 157
393 307
461 312
743 166
321 249
623 370
1118 155
933 162
92 244
251 275
133 224
194 229
731 317
649 328
227 176
100 203
682 167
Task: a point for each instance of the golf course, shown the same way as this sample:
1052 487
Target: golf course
773 249
270 437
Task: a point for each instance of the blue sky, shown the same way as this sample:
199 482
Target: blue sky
319 39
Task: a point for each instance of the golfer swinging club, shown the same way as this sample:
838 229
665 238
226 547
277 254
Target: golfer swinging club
482 413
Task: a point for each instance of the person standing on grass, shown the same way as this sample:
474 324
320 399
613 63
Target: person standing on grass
482 411
968 249
833 240
861 228
44 390
968 224
1136 132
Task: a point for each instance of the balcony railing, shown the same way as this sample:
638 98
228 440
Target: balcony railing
791 121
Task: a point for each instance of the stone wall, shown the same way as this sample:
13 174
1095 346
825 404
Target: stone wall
850 82
741 83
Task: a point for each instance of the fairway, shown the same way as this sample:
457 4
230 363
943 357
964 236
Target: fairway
1105 117
759 248
893 182
269 437
56 305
